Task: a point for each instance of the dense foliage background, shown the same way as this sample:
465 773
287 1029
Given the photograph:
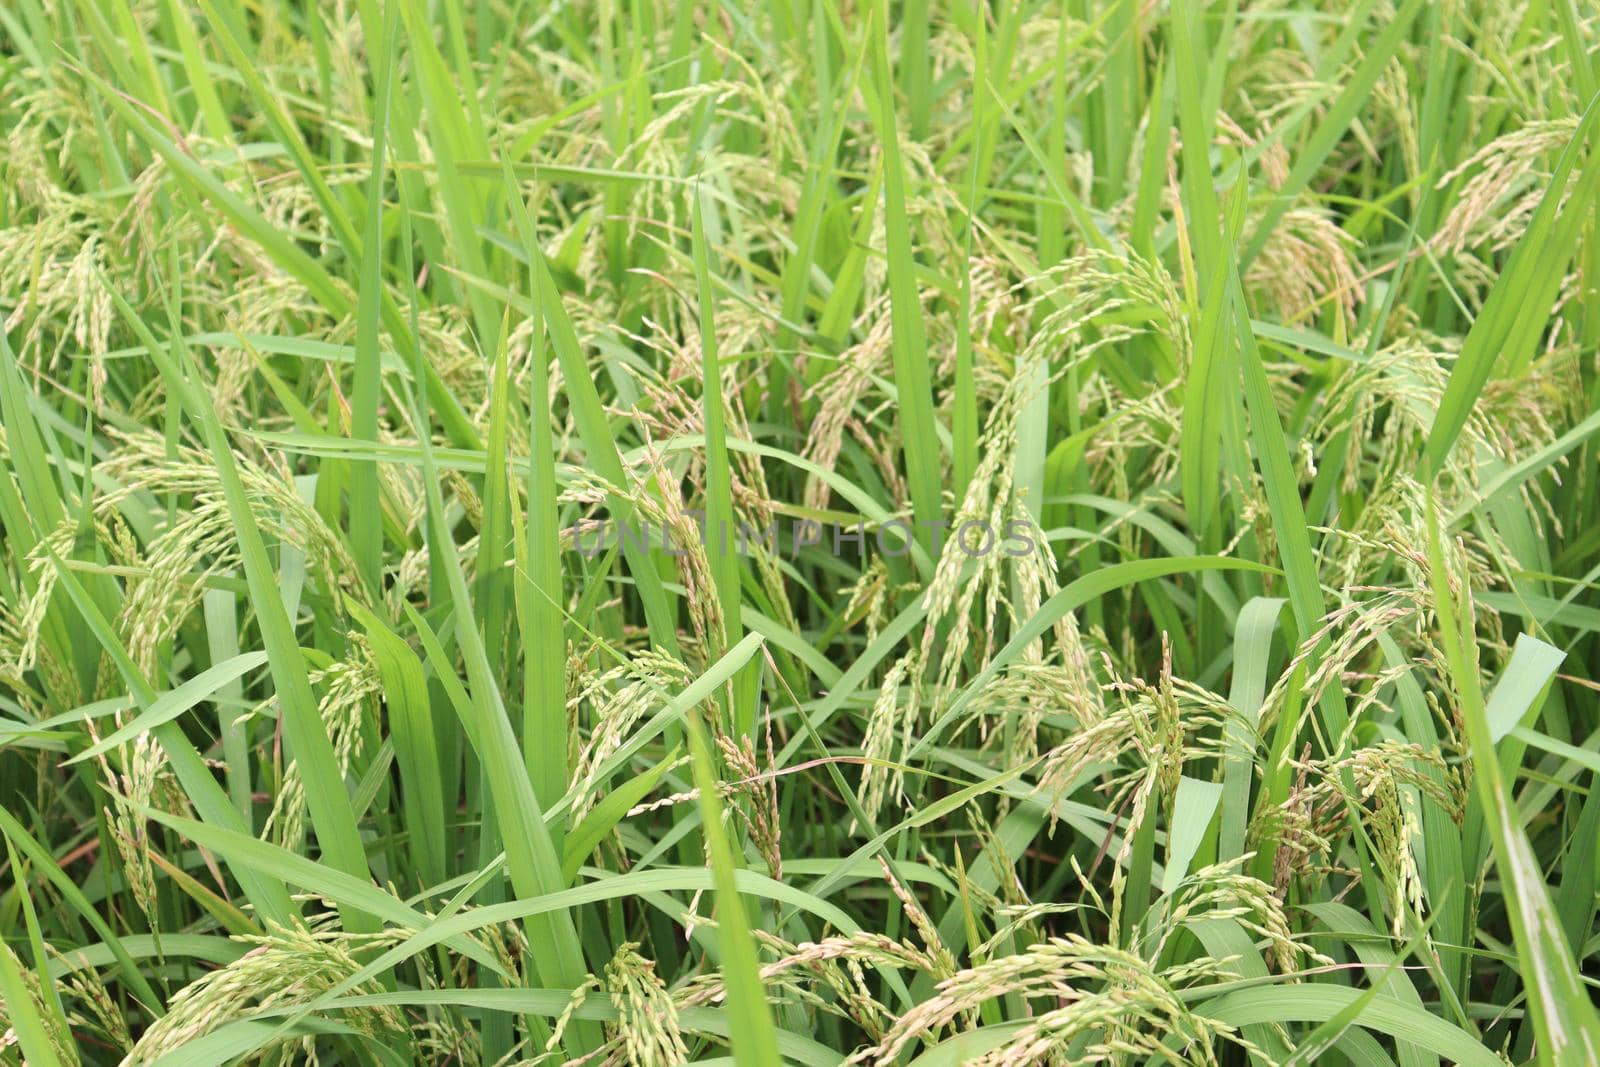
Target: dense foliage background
343 338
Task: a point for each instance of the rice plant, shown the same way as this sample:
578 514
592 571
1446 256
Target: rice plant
801 531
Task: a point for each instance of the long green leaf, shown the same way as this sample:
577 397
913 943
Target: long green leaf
1563 1014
